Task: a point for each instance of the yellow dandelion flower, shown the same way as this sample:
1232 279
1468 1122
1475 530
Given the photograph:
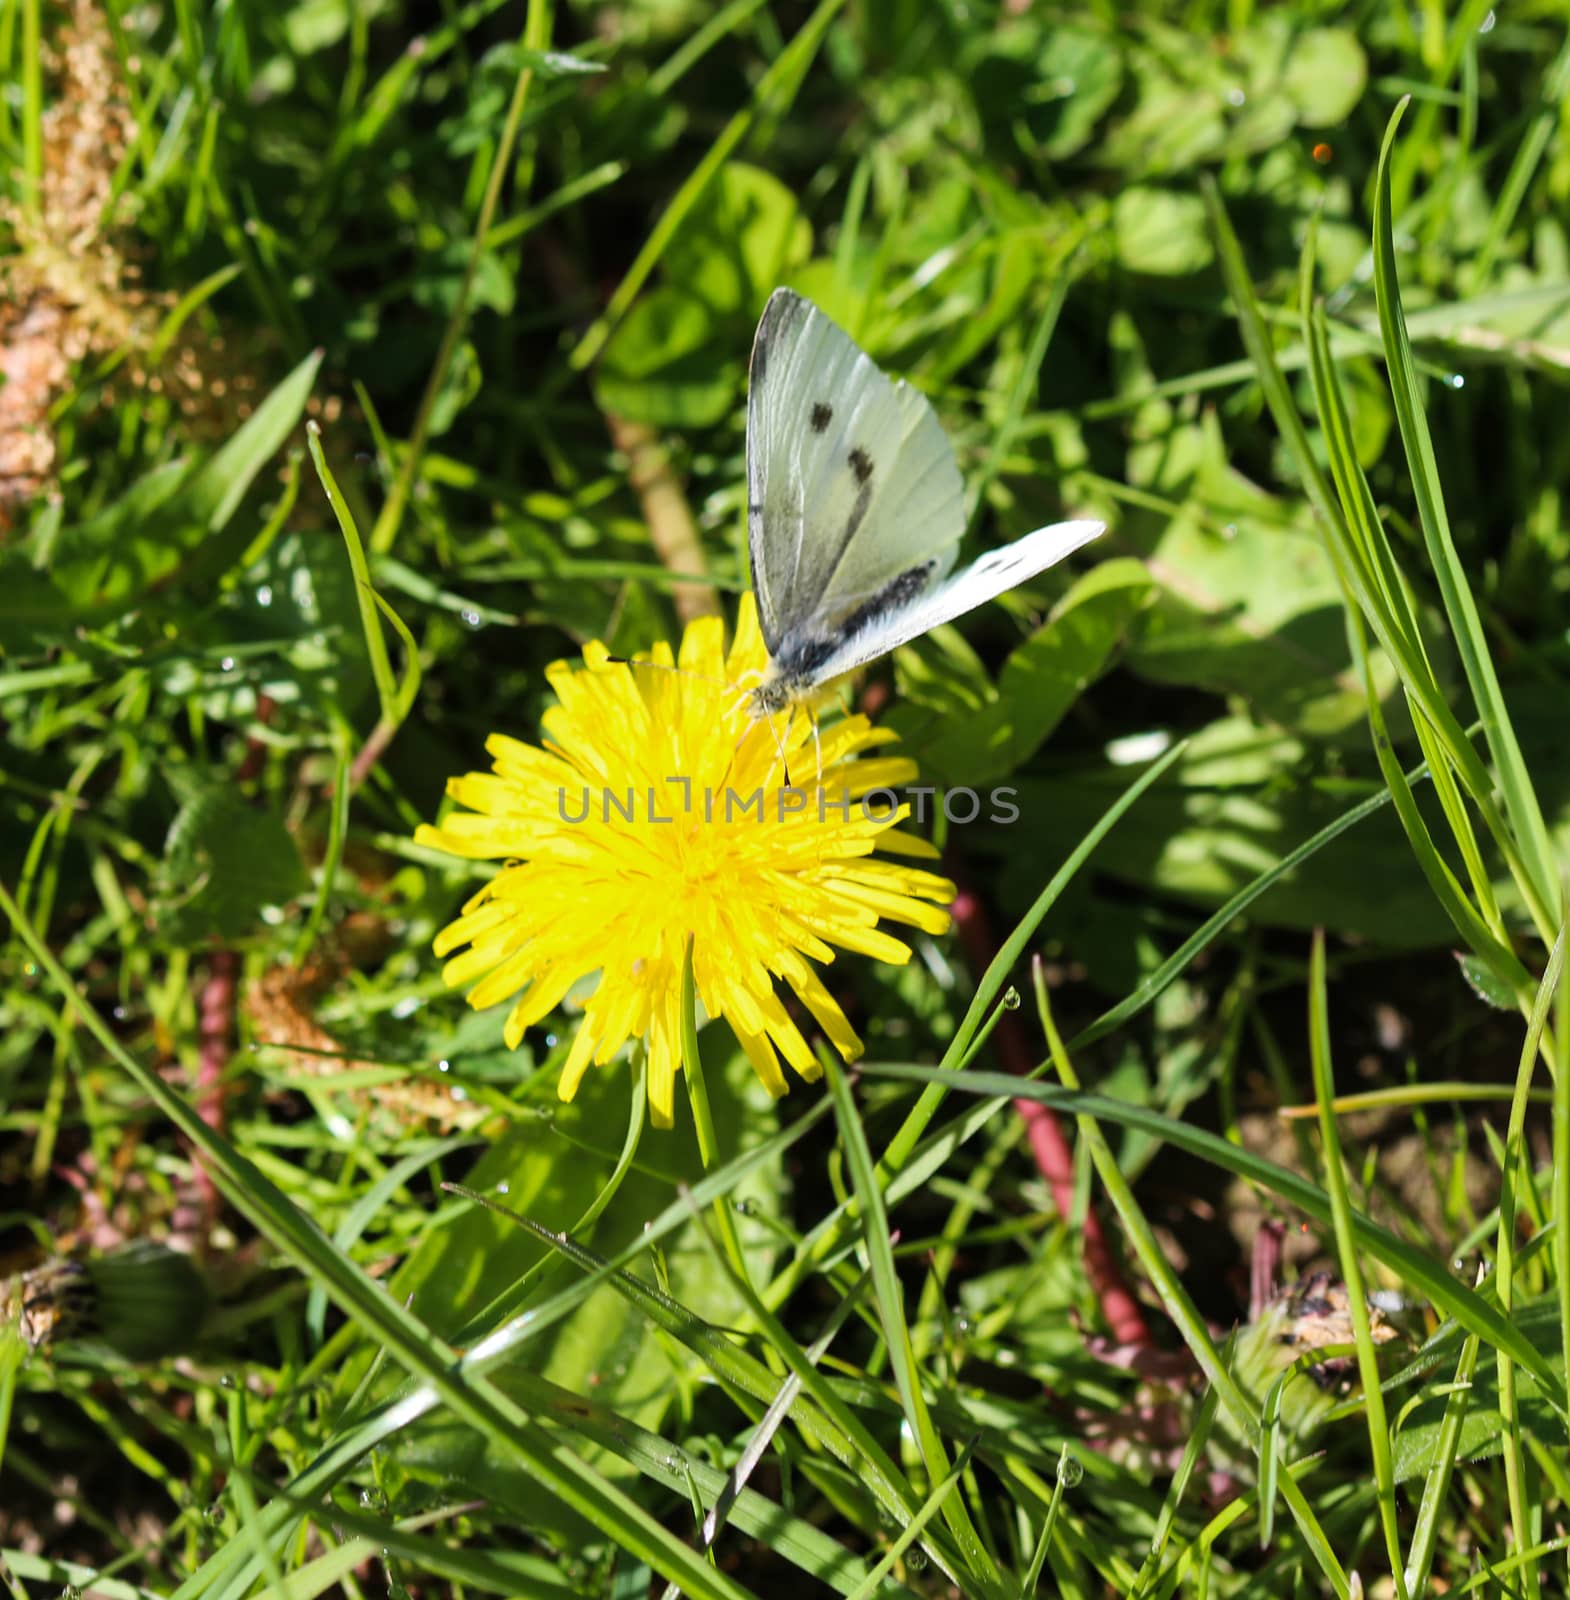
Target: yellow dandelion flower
657 812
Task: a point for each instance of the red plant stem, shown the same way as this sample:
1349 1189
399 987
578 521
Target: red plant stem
1054 1157
215 1036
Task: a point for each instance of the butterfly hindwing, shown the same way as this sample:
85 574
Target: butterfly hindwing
880 631
854 497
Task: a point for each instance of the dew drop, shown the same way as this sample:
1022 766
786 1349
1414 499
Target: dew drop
264 595
1011 1001
504 1187
1069 1471
120 1013
227 664
916 1559
472 618
675 1462
1456 381
226 1381
962 1325
1487 24
444 1066
70 1592
215 1512
746 1207
1236 97
458 1092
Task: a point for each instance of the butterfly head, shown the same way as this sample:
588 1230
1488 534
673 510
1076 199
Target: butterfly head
773 695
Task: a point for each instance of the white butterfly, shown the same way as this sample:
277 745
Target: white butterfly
855 509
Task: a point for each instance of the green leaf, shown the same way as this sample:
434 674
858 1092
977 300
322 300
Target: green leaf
669 363
1326 73
1161 232
1482 1433
739 241
1486 984
224 861
1240 803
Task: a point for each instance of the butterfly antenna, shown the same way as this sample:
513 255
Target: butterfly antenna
661 666
779 744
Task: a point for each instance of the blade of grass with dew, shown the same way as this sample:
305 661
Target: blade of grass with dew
1366 566
978 1560
1038 1557
910 1534
1176 1299
1521 802
1428 1524
1351 1268
472 1398
1366 559
803 1367
227 1575
512 1299
1504 1258
1360 512
1471 1310
735 1369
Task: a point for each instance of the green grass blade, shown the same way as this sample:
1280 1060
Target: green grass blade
1511 1166
1351 1268
388 1323
1179 1305
896 1330
1472 1311
773 94
830 1234
1521 803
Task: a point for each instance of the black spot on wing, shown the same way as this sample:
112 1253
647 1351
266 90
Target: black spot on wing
822 416
861 465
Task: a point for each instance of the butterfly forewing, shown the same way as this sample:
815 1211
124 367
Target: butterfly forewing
855 501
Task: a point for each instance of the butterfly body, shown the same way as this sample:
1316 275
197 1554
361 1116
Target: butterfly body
855 510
